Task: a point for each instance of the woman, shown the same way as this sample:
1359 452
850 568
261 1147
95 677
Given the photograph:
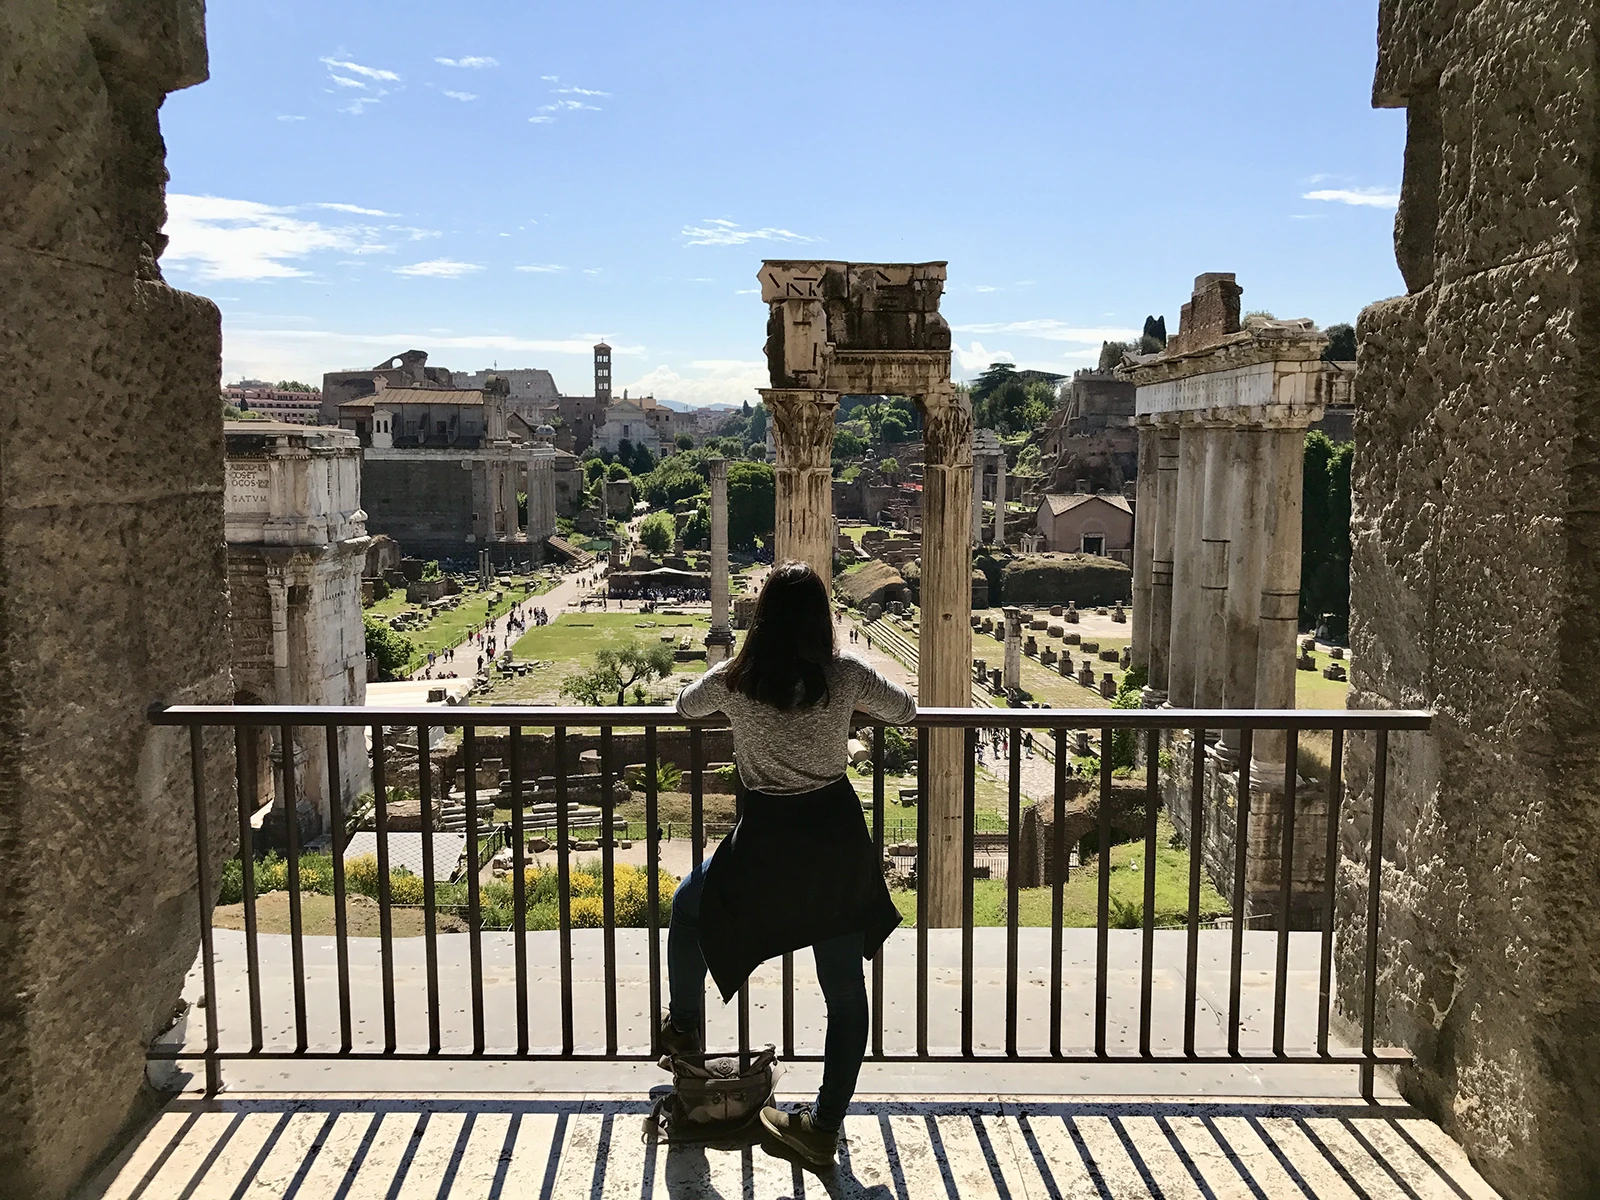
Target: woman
799 869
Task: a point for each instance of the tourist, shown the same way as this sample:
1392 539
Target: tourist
799 869
1027 743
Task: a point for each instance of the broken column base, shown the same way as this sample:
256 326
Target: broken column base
719 646
1217 843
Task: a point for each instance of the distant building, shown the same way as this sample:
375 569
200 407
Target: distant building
602 373
629 421
533 396
297 547
259 396
410 369
443 467
1087 523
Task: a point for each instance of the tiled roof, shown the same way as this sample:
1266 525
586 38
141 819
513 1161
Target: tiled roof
1070 500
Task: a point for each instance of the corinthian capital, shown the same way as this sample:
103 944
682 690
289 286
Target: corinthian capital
946 427
802 425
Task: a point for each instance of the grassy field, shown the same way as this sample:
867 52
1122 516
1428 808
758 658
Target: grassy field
1080 895
568 644
450 628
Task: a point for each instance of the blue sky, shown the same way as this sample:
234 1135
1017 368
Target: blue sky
507 182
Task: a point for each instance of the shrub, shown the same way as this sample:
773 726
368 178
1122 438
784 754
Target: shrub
587 912
669 777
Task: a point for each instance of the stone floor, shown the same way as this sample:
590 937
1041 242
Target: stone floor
398 1146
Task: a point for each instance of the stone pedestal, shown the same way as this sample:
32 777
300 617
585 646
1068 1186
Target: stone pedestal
1013 658
719 638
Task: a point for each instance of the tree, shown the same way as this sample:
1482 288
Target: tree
625 451
1341 343
656 533
696 526
294 385
756 451
894 427
617 471
683 442
594 468
752 503
758 425
390 650
643 462
618 668
1155 329
847 445
992 380
1258 312
889 467
1325 532
1111 354
681 477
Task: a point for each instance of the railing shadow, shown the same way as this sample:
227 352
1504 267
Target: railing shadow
553 1149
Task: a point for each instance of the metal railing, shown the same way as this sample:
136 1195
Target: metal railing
1154 725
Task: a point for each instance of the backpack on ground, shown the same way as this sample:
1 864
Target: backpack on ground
714 1097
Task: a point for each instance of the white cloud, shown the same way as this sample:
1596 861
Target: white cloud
439 268
221 238
983 287
344 82
541 268
540 120
471 62
977 358
717 231
551 78
1052 330
708 381
353 208
578 91
593 270
462 96
258 352
289 117
1371 197
359 105
748 292
569 106
377 74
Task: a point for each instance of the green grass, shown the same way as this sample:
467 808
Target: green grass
450 627
568 644
1080 895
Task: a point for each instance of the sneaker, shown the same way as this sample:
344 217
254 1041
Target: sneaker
674 1042
795 1130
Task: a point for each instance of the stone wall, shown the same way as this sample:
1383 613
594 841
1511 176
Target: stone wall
424 504
112 576
1476 589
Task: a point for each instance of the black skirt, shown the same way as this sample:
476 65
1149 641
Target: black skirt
795 871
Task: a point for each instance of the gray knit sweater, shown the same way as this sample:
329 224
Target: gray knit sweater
800 749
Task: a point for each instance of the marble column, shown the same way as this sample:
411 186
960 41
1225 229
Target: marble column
719 639
945 658
1144 540
977 500
1211 646
1011 672
278 601
1161 564
1186 565
802 428
1245 558
1283 484
1000 499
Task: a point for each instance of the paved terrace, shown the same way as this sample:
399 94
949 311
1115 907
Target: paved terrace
363 1127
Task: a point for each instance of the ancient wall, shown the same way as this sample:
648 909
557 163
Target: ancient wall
424 504
1474 589
112 575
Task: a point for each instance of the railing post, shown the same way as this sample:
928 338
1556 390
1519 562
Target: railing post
1369 1007
207 897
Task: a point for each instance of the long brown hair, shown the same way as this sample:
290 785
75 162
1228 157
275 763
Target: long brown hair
784 659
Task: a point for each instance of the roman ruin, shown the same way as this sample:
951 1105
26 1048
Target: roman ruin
1224 409
114 587
719 638
858 329
297 549
1475 409
988 461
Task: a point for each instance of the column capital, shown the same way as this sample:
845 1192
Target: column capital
802 425
946 428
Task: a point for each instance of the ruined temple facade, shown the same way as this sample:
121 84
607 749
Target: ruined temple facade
442 469
1090 441
1222 415
297 549
866 329
1476 411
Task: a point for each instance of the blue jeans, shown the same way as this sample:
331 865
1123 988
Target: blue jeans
839 972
